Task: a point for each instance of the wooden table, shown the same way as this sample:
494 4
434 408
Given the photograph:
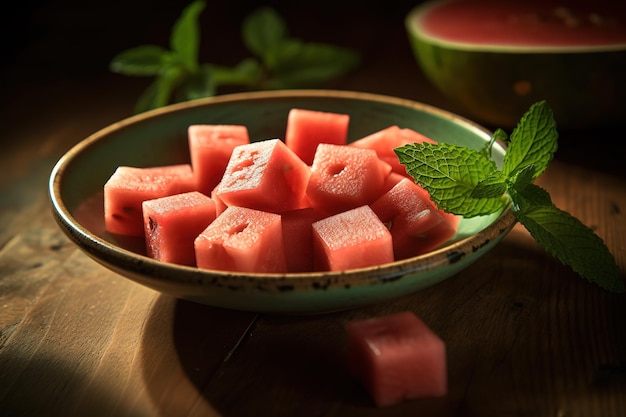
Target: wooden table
525 336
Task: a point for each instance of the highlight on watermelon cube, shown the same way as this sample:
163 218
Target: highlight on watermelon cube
128 187
210 147
310 202
172 224
242 240
308 128
416 224
344 177
386 140
396 358
264 175
351 239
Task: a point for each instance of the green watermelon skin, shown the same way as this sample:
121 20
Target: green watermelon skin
584 87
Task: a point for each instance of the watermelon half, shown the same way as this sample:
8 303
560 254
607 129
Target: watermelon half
496 58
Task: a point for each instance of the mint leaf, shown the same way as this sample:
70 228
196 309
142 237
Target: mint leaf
185 36
197 85
279 61
533 141
159 92
262 31
285 51
298 64
247 72
522 177
450 174
498 134
145 60
466 182
568 239
494 185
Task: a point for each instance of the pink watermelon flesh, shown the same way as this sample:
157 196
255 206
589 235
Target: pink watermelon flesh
396 358
172 224
243 240
220 206
210 147
128 187
354 238
298 238
308 128
345 177
386 140
391 180
531 23
415 223
266 176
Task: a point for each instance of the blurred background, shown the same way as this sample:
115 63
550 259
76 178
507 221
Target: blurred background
52 44
57 55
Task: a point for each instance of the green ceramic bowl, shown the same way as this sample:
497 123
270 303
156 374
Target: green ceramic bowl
159 138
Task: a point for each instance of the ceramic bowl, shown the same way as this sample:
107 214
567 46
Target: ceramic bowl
159 137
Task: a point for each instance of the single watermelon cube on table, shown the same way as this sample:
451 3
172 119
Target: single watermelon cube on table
210 147
128 187
386 140
242 240
396 358
308 128
344 177
266 176
416 224
172 224
354 238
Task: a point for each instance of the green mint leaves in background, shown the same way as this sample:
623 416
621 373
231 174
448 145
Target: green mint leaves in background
467 182
278 61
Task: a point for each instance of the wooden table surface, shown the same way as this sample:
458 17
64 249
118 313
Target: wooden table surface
525 335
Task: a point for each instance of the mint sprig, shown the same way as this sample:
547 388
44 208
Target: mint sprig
467 182
277 60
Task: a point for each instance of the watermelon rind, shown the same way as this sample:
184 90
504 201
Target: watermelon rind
584 85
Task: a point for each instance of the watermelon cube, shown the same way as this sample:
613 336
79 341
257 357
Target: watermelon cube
298 238
308 128
416 224
397 357
243 240
344 177
220 206
128 187
392 180
354 238
386 140
210 146
172 224
266 176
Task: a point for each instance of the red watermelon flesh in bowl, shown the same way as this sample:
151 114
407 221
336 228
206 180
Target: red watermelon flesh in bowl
160 138
496 58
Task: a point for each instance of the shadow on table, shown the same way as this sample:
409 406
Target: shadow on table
241 364
224 356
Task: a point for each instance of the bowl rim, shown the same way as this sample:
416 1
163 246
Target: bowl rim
113 256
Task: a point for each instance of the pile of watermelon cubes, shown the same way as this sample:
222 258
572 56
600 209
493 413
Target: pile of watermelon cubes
310 202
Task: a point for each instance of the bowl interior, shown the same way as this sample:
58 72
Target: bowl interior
159 137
